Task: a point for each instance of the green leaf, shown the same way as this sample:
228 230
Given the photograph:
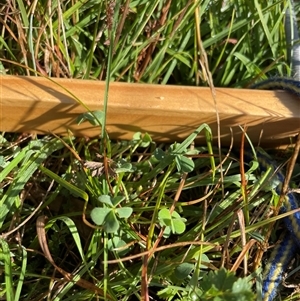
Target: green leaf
28 167
6 257
137 136
146 140
98 215
159 154
254 165
178 225
106 199
167 232
2 161
123 166
142 140
115 243
221 280
175 215
192 152
182 147
124 212
164 218
184 164
22 275
224 285
164 214
94 118
117 200
73 230
241 286
111 224
174 223
183 270
203 258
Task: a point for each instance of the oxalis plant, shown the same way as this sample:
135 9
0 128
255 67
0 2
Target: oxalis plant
113 212
109 210
108 215
172 222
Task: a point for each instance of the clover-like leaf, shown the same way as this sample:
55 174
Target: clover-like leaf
143 140
146 140
98 215
203 258
174 223
184 164
94 118
137 137
178 225
124 212
117 200
111 224
114 243
159 154
123 166
164 217
167 232
106 199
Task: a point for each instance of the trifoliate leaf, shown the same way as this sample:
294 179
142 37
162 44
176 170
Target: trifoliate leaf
184 164
124 212
124 167
111 224
105 199
167 232
159 154
98 215
178 225
164 214
146 140
117 200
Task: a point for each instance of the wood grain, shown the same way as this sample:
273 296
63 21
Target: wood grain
167 113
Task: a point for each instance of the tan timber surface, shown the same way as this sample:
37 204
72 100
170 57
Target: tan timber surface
167 113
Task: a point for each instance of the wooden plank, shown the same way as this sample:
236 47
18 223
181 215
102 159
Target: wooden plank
167 113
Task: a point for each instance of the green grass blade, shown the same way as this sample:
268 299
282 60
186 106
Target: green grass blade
73 189
26 170
22 275
13 164
7 270
23 13
73 230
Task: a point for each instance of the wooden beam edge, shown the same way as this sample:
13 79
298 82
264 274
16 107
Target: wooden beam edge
167 113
